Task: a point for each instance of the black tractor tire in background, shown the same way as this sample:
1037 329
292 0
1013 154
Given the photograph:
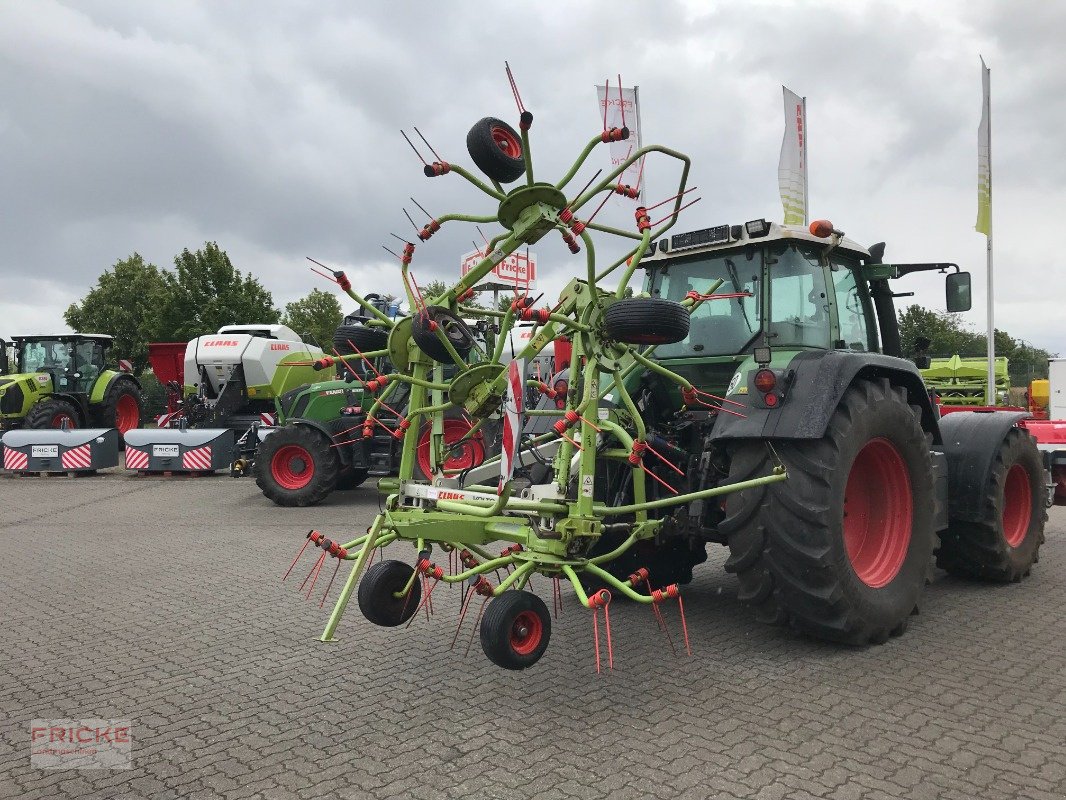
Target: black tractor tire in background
515 630
1004 543
841 550
364 337
49 413
496 148
456 331
646 320
296 466
348 478
377 593
122 406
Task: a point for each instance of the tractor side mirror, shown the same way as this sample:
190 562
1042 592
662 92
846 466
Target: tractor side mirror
958 291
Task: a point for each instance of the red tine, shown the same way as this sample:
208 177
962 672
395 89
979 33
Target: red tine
330 584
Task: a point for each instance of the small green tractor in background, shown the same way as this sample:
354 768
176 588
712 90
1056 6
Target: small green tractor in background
64 380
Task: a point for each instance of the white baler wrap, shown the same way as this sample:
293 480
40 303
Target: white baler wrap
221 352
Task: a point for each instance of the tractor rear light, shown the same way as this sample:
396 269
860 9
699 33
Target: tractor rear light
765 380
561 388
770 400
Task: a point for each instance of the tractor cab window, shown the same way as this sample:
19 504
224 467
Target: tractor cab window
850 312
799 302
32 357
718 327
88 363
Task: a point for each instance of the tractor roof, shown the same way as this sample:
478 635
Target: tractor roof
63 337
732 237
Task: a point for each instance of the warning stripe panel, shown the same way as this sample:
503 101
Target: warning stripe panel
77 457
136 459
13 459
200 458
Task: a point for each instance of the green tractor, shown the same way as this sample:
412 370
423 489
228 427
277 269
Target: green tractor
63 380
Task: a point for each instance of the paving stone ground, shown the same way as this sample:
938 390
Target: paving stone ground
159 600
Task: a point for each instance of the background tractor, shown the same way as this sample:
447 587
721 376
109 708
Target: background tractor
49 381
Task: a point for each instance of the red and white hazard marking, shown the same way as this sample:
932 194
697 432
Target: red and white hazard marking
200 458
164 420
512 420
136 459
80 457
125 365
267 418
13 459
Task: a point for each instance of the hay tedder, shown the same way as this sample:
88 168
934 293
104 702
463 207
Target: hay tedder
752 347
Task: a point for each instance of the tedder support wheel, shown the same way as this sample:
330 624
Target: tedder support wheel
1004 543
51 413
455 330
378 590
842 549
515 630
496 148
364 337
646 320
122 407
296 466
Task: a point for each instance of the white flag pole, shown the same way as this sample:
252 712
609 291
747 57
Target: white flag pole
806 168
987 92
640 141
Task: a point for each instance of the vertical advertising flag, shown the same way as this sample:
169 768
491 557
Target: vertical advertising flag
513 400
615 104
984 158
792 169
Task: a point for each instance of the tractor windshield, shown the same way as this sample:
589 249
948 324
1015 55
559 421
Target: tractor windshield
719 327
45 355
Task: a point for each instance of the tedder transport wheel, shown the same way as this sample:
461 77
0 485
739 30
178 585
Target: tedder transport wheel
1003 545
515 630
378 590
50 413
843 548
454 328
348 478
496 148
121 407
296 466
646 320
362 336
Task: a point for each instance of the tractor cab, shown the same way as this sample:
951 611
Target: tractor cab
72 363
787 288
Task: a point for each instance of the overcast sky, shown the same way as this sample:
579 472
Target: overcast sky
273 129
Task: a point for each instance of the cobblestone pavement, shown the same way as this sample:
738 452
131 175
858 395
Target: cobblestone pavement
159 600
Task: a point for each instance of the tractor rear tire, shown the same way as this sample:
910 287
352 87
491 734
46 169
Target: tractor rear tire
1005 543
377 593
348 478
362 336
455 330
496 148
515 630
122 406
842 549
296 466
50 413
646 320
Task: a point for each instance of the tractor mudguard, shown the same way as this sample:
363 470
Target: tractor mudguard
971 440
817 382
104 381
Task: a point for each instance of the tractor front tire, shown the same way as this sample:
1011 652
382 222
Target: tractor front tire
646 320
842 549
496 148
50 413
1004 543
296 466
122 406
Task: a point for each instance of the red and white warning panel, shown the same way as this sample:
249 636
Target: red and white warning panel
76 450
176 450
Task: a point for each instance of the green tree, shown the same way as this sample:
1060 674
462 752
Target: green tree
437 288
206 292
319 314
125 304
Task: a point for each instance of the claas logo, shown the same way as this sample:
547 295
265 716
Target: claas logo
278 346
221 343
